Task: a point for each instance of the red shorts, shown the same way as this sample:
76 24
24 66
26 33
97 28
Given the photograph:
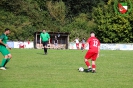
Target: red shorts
91 55
77 44
83 45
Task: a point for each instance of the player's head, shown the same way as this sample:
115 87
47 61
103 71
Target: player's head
7 30
92 34
43 30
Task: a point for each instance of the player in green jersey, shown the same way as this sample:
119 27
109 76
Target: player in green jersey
4 50
44 39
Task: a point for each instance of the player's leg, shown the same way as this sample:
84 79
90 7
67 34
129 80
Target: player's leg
56 45
94 57
77 45
93 67
5 54
88 65
45 47
3 63
7 57
82 46
87 57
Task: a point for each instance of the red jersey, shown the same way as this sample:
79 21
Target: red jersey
93 44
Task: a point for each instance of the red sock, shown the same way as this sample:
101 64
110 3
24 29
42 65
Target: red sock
93 67
87 63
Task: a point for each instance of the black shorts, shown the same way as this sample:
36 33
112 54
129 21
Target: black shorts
45 43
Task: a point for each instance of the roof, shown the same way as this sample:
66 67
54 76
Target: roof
54 33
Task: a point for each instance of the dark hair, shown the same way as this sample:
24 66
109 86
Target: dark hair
92 32
7 29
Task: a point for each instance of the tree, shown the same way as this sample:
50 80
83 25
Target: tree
57 10
112 28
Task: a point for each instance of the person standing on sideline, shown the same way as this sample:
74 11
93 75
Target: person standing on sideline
56 43
77 42
4 50
93 52
45 39
83 43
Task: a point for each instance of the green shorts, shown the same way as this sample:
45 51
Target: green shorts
4 50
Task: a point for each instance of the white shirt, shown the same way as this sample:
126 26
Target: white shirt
76 40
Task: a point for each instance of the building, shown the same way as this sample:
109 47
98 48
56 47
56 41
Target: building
63 39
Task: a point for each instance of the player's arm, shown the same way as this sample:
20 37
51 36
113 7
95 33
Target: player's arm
98 49
49 40
4 44
40 41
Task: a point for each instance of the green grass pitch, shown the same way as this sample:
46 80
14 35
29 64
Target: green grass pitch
29 68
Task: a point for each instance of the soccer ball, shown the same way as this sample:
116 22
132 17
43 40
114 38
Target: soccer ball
81 69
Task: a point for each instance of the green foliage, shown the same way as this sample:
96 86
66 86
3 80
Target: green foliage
80 27
112 27
15 23
79 17
23 18
57 10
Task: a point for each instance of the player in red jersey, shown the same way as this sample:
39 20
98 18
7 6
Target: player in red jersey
93 52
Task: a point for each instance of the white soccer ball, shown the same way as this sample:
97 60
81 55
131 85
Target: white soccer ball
81 69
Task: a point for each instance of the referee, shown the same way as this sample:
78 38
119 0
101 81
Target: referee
44 39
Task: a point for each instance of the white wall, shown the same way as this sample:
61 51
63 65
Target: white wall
108 46
72 45
17 44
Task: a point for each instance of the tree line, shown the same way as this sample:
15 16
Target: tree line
77 17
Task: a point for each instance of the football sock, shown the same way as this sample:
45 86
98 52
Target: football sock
45 50
87 64
7 60
93 67
3 62
89 67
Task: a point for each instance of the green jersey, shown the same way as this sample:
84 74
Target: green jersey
3 48
4 38
44 36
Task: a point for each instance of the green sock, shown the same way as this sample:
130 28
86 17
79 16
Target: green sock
7 60
3 62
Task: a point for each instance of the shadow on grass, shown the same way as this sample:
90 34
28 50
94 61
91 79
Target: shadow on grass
86 71
40 53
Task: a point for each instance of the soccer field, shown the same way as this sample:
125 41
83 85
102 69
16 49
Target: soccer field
29 68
